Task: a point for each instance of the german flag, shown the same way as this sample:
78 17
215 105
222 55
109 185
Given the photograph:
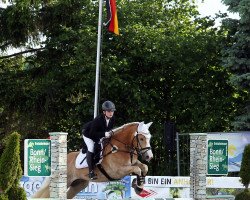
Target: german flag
112 23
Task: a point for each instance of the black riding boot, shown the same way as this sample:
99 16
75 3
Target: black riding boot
90 156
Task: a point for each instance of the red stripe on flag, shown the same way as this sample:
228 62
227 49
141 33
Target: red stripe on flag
112 16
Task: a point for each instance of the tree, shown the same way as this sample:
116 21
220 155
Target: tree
244 174
245 195
245 166
237 57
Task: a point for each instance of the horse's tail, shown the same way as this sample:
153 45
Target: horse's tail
43 192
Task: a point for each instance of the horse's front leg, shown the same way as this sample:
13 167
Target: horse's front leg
128 169
144 169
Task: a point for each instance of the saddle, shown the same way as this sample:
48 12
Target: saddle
81 161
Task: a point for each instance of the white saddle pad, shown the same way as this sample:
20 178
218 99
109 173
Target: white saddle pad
81 161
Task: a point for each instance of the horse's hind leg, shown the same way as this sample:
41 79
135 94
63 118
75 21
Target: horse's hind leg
76 187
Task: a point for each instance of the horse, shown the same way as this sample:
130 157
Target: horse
119 158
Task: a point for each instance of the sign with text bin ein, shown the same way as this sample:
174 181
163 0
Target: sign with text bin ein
37 157
217 159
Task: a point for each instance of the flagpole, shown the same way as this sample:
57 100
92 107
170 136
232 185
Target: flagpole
98 52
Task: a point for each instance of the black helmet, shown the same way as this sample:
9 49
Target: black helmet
108 106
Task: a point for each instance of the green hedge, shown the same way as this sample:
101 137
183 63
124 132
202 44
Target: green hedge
17 193
11 170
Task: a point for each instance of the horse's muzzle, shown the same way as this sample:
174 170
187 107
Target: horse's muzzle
148 156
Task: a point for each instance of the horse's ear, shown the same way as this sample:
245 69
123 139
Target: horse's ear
140 124
140 127
149 124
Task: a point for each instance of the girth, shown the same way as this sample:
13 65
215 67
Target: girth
100 167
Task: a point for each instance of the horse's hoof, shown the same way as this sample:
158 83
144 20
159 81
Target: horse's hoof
140 181
134 183
138 189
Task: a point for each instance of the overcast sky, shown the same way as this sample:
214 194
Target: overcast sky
210 7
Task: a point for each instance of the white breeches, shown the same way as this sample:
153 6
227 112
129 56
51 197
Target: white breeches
90 144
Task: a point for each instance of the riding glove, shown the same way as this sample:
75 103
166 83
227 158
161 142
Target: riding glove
108 134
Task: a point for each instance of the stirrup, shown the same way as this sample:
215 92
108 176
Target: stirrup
92 175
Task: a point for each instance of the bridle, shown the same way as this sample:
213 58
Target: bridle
140 151
132 149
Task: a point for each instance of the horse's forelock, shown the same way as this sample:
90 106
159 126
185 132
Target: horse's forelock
146 134
143 130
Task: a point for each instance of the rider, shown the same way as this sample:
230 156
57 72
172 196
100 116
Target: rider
97 129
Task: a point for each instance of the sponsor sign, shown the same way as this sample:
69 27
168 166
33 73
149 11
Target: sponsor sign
37 157
105 190
179 187
236 144
155 187
163 187
217 159
31 184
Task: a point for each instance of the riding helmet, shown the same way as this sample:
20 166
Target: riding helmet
108 106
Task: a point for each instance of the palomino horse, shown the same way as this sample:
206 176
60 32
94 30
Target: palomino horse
119 158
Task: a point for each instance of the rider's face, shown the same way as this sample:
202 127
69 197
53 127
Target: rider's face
108 114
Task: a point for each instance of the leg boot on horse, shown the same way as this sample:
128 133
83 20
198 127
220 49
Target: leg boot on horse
90 157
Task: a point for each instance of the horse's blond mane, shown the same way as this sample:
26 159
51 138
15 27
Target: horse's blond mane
119 129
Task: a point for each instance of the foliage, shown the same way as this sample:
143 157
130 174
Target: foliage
17 193
10 158
224 191
245 195
175 192
245 167
10 176
3 197
237 56
117 188
18 30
